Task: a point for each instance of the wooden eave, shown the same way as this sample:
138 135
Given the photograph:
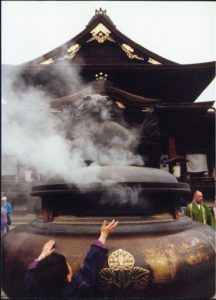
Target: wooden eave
132 101
185 106
211 65
168 83
106 89
188 111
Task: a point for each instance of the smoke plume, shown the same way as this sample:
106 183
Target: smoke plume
63 144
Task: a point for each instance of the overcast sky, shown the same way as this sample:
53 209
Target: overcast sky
184 31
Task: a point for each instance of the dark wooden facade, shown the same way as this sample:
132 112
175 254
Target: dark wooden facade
145 89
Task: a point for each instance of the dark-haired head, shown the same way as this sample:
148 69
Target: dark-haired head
52 271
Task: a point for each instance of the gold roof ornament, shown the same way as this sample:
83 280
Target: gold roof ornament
55 110
101 76
153 61
101 34
130 52
122 273
72 50
47 61
147 109
120 105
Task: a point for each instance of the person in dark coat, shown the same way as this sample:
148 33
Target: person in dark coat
51 277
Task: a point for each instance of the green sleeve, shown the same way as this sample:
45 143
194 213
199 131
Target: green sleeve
187 211
212 221
210 218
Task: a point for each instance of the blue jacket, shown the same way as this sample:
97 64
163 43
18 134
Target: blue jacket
8 207
82 282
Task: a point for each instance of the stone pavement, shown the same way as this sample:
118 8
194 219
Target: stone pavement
21 219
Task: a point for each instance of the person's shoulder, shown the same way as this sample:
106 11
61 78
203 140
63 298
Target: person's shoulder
9 205
206 206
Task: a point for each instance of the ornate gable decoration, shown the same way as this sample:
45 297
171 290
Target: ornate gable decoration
101 34
101 76
47 61
153 61
130 52
73 50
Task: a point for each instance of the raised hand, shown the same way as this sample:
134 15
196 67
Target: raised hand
47 249
106 229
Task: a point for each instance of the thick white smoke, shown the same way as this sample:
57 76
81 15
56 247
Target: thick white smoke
59 145
99 139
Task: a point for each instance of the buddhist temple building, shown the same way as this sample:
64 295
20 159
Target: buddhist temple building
144 89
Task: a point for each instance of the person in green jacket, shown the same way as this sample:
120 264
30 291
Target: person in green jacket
200 212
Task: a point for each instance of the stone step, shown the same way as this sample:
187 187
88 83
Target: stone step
21 219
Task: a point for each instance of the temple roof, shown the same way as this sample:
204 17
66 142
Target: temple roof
100 42
102 49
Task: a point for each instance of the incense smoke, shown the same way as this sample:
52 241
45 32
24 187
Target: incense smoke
61 145
122 195
125 197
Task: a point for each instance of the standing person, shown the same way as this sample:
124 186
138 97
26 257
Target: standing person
200 212
50 275
7 206
213 210
4 221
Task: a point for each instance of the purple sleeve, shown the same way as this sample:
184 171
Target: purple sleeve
84 279
33 264
30 282
99 244
93 262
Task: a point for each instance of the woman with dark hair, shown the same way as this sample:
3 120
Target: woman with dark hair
50 275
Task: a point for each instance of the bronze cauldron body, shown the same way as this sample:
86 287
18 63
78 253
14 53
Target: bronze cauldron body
154 253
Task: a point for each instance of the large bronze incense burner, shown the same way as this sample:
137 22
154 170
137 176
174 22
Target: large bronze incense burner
155 252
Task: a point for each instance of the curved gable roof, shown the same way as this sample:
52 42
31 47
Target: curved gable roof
102 30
